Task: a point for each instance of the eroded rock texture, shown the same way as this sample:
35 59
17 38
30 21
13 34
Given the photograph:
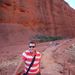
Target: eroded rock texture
53 17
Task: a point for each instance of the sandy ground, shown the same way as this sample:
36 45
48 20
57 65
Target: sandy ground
54 57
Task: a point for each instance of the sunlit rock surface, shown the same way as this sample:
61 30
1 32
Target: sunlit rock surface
52 17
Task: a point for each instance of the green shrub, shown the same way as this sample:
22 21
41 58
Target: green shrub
44 38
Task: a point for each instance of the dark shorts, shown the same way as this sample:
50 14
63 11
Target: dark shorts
36 74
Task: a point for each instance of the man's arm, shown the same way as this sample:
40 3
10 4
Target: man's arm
40 63
19 68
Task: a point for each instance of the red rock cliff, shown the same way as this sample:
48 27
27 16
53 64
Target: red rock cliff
53 17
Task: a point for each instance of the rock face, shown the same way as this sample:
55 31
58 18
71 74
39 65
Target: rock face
53 17
12 34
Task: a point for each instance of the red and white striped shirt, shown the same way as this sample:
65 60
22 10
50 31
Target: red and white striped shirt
27 57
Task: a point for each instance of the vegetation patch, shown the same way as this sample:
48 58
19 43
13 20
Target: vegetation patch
45 38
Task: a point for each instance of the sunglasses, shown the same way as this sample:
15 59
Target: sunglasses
31 46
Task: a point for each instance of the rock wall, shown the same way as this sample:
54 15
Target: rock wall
14 34
52 17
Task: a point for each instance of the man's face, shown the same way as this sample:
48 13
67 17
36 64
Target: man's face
32 46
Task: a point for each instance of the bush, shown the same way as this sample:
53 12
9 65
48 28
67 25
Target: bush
44 38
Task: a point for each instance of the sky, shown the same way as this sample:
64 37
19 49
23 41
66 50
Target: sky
71 3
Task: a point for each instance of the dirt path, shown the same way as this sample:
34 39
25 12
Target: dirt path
10 57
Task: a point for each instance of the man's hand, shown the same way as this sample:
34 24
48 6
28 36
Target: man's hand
19 68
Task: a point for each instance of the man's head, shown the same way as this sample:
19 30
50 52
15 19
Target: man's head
32 45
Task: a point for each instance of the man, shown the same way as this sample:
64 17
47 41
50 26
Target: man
27 58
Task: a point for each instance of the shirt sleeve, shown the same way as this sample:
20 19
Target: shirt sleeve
40 56
24 56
